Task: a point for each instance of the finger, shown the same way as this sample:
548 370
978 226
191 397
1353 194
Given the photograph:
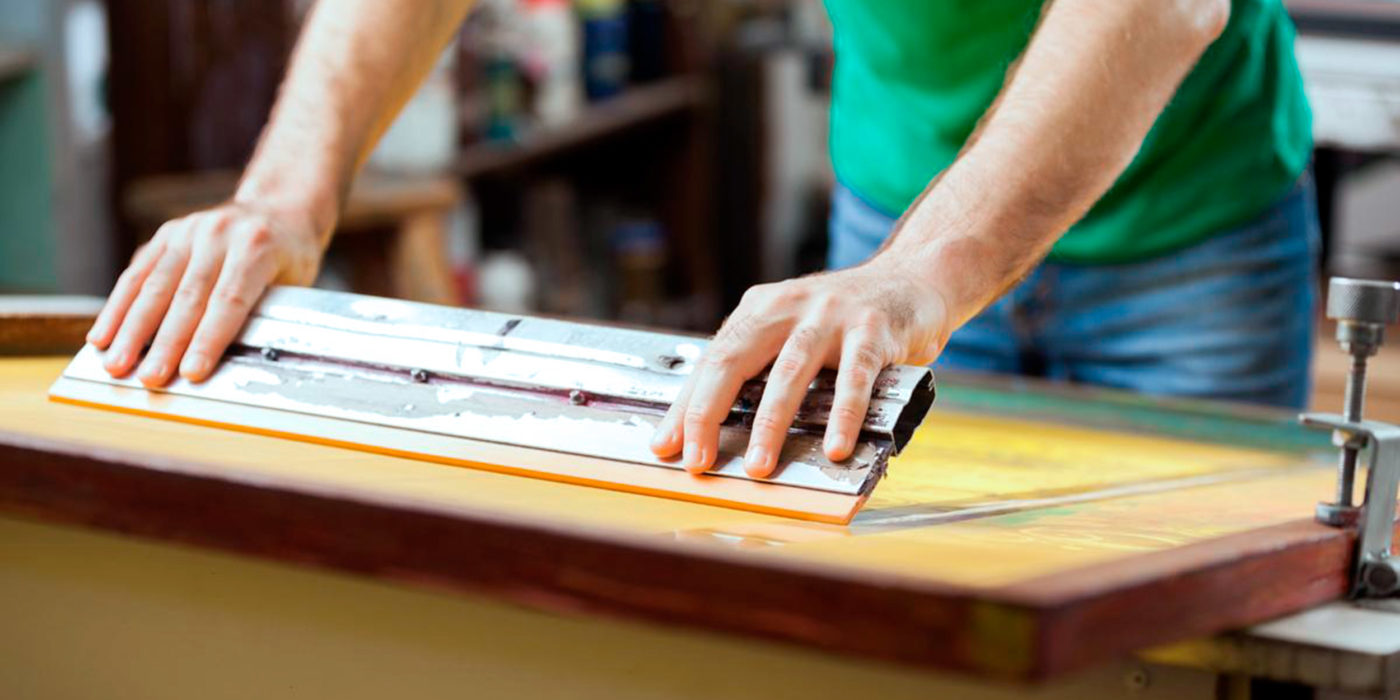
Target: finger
186 307
861 362
124 293
666 441
735 357
246 274
146 312
797 365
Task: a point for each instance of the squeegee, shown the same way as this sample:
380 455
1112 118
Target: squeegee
545 398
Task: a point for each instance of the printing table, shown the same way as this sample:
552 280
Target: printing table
1032 540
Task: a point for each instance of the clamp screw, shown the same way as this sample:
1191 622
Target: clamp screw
271 354
1380 577
419 375
578 398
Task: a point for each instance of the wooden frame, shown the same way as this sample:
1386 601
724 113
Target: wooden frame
1031 630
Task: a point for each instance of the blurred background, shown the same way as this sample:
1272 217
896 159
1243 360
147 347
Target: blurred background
634 160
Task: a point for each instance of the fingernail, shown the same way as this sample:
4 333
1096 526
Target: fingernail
154 370
694 457
663 438
118 361
195 366
835 443
756 461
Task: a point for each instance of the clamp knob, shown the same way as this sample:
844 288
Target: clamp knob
1363 301
1362 308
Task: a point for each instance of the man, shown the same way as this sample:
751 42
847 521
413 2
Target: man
1154 149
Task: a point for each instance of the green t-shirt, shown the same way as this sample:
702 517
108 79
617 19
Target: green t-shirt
912 78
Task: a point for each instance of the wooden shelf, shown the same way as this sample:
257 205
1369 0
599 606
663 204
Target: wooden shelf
637 106
375 199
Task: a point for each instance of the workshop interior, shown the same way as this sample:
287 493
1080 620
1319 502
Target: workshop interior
699 349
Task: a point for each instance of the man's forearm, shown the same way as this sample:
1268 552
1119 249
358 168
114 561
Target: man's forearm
356 64
1070 119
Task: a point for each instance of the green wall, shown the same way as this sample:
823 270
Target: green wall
27 254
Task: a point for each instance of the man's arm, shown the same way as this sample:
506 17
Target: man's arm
356 64
1069 120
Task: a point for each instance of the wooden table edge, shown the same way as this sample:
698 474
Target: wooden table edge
1020 633
1194 590
534 564
45 324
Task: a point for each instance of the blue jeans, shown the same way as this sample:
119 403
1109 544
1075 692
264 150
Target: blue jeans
1228 318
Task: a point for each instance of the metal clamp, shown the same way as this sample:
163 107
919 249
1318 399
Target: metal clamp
1376 573
1362 309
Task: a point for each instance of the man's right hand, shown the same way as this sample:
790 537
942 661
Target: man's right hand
191 288
193 285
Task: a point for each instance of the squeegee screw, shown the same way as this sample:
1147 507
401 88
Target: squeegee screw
578 398
270 354
419 375
671 361
1137 679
